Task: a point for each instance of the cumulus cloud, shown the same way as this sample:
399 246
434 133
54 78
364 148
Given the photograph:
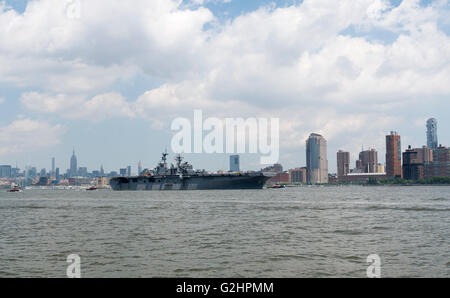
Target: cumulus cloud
27 135
298 62
109 40
100 107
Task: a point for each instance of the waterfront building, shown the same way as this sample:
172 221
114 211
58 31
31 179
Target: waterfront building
343 163
414 161
368 161
432 139
234 163
43 181
316 159
139 168
362 177
332 178
279 178
101 182
276 168
393 155
298 175
440 165
123 172
5 171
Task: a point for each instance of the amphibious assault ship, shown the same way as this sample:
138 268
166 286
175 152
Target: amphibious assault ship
182 177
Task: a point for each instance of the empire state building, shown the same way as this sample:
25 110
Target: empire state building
73 165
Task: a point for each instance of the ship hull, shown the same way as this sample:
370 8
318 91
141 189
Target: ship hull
174 182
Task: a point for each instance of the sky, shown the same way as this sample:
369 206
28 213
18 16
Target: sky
108 77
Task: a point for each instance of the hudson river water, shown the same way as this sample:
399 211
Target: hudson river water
292 232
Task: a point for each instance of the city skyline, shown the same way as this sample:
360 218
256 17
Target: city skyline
367 162
351 71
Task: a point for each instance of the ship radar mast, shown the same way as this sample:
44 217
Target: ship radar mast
179 160
164 158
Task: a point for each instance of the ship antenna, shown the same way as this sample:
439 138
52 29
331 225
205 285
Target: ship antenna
164 158
179 159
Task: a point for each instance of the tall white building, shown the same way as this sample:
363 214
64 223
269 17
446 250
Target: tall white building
316 159
432 139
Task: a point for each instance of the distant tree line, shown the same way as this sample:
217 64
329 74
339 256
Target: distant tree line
434 180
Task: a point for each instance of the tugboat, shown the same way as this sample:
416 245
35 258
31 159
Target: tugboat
91 188
277 186
14 188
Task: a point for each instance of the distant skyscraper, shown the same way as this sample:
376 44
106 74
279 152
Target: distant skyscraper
57 173
393 155
31 172
129 171
440 166
123 172
83 172
298 175
102 171
316 159
414 161
139 168
15 172
73 165
5 171
432 139
343 163
234 163
368 161
53 166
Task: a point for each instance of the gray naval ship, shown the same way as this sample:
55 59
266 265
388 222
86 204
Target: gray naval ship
183 177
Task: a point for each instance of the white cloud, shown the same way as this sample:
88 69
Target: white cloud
292 62
27 135
111 40
100 107
58 104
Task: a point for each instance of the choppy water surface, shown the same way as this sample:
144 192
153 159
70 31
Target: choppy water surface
292 232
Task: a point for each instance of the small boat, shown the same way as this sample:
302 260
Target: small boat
91 188
277 186
14 189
